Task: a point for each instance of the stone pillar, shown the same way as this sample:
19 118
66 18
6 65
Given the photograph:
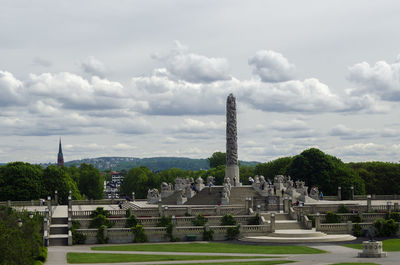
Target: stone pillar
317 222
389 207
160 211
232 166
352 193
45 224
369 208
69 212
396 207
69 238
189 210
69 202
165 210
133 196
105 232
339 193
259 209
69 223
9 204
47 214
49 205
349 227
272 218
217 210
56 198
32 203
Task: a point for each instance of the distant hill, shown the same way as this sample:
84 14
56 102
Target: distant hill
153 163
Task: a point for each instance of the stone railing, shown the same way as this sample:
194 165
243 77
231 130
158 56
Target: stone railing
97 202
87 213
158 234
365 217
315 208
23 203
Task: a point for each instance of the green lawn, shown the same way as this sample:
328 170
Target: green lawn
214 247
388 245
79 257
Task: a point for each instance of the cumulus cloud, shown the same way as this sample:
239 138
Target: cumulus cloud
11 90
197 126
272 66
93 66
381 79
193 67
41 62
347 133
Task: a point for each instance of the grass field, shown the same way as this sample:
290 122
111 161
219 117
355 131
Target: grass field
389 245
214 247
272 262
79 257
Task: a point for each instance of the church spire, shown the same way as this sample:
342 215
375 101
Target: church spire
60 158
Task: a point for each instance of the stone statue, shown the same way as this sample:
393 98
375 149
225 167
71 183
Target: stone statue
165 186
153 195
199 180
210 180
314 193
232 168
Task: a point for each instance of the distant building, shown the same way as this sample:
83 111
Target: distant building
60 158
111 188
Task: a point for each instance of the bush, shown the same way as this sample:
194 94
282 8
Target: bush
164 221
208 234
312 218
99 220
357 231
42 254
38 262
132 221
332 217
394 215
356 218
385 227
128 213
199 220
343 209
100 235
138 232
228 219
255 220
233 232
100 211
77 237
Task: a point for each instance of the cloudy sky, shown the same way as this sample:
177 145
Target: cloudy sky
150 78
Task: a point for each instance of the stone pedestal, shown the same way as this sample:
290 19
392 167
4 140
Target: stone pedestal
232 171
372 249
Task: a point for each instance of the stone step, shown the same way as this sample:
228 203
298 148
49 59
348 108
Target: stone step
58 229
295 240
58 240
287 224
298 233
59 220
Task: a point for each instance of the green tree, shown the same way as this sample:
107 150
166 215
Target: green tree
137 180
90 182
272 168
326 172
217 159
20 181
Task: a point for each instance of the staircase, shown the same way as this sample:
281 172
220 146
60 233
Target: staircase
239 194
207 196
59 227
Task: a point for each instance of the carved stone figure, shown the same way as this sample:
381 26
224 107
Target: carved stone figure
314 193
210 180
153 195
232 168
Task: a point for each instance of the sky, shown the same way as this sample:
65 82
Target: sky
151 78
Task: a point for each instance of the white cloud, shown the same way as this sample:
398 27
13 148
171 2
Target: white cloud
347 133
193 67
272 66
93 66
381 79
11 90
196 126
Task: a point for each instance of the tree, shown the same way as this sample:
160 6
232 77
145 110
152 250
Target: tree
90 182
326 172
57 179
272 168
20 181
137 180
217 159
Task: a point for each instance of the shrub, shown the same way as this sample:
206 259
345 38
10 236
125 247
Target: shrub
38 262
164 221
255 220
357 231
77 237
228 219
100 211
138 232
386 227
233 232
99 220
312 218
343 209
132 221
199 220
42 254
128 213
208 234
332 217
100 235
187 214
394 215
356 218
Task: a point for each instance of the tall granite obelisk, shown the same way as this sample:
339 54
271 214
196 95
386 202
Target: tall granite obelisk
232 167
